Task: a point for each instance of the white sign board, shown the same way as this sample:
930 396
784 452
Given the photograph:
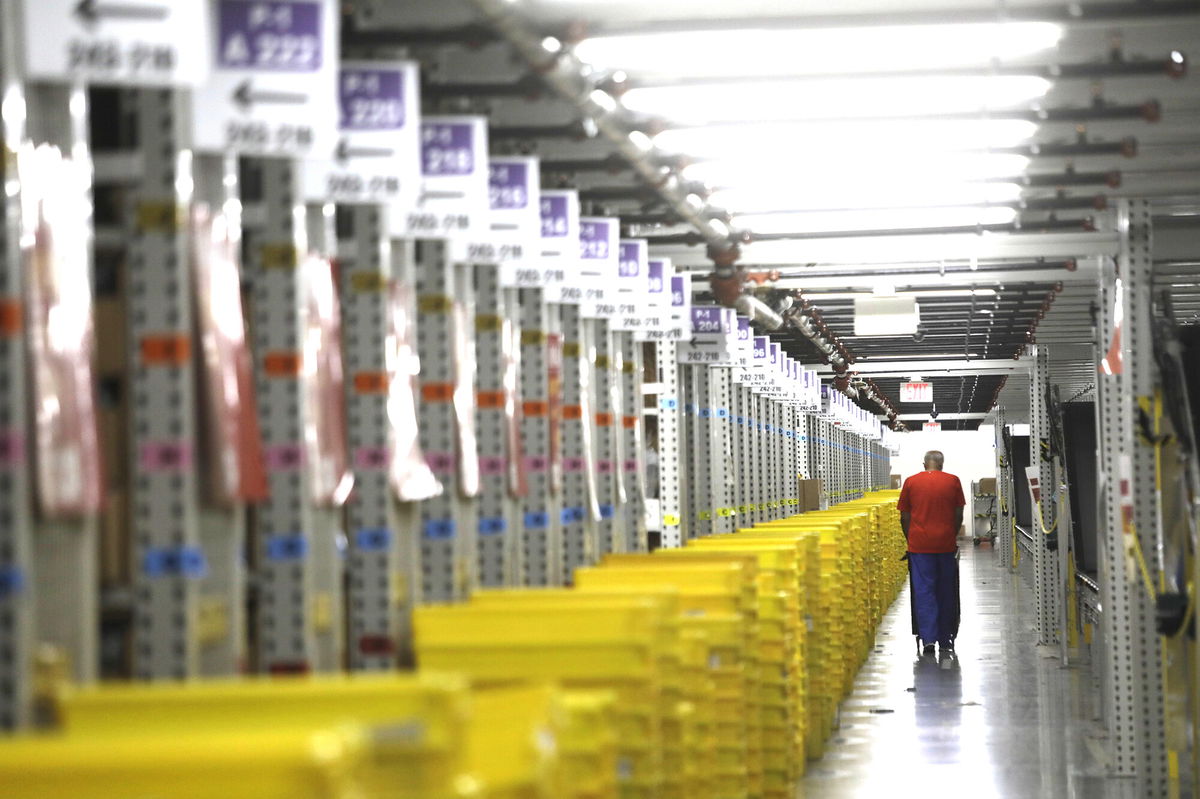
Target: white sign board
514 202
932 427
121 42
454 184
657 325
598 254
560 245
632 284
377 156
273 87
916 392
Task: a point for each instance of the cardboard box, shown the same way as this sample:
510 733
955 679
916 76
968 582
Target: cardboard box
895 484
987 485
115 540
112 349
809 495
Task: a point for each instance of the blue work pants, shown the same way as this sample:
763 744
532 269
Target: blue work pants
935 595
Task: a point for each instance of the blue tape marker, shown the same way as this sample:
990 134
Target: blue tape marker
537 520
287 547
668 403
439 529
688 407
571 515
192 563
722 413
705 413
373 539
606 511
12 581
154 563
493 525
741 420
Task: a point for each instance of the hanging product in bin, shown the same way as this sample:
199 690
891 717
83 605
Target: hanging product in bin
236 470
61 338
464 400
554 384
587 356
510 347
409 473
325 429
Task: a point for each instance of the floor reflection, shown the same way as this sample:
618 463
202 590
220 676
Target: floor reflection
1002 719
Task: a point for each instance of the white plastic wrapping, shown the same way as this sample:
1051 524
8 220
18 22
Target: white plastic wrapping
61 339
326 445
464 401
409 473
230 420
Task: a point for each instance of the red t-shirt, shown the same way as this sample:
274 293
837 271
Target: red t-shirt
932 498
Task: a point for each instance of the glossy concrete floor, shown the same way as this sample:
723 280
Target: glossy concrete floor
1004 719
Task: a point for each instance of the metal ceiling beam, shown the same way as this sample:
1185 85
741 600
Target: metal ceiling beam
936 368
941 417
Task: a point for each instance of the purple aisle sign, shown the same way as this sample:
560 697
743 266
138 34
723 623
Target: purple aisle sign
508 188
678 291
447 149
706 319
371 99
773 350
594 239
272 35
556 217
743 325
629 264
656 270
760 348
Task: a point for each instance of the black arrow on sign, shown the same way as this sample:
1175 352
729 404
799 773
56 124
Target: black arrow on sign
345 152
90 12
245 96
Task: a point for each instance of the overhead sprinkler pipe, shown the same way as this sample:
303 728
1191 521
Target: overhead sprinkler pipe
758 311
563 72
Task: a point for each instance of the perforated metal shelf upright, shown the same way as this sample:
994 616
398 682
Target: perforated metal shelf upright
580 502
1127 386
496 506
1045 511
16 508
168 560
376 587
673 472
1004 520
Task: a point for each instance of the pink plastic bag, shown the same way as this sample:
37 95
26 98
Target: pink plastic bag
55 199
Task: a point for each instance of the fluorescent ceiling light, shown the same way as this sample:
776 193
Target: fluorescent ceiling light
899 136
875 219
839 165
843 98
861 193
819 51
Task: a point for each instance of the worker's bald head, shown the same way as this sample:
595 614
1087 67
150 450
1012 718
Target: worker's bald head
934 460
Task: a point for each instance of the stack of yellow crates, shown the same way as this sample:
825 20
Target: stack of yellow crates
382 737
709 672
725 592
616 643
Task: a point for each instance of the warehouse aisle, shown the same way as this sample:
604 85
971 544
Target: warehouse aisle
1001 721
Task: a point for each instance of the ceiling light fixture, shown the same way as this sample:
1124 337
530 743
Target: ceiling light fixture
835 98
820 51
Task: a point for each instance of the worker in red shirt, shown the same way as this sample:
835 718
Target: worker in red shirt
931 513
